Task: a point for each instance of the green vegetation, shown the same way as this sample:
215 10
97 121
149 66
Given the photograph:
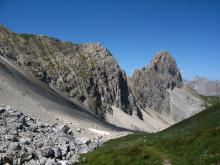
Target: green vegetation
211 100
193 141
83 59
83 74
26 36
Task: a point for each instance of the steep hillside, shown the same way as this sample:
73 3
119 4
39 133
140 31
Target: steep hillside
192 141
86 72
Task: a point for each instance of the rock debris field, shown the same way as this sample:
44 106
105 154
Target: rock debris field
25 140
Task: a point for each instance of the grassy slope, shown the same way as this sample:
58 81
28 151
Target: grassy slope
193 141
211 100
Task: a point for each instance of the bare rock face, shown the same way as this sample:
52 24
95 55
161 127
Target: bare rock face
86 72
149 85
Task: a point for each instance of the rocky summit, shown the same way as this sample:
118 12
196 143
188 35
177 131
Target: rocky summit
86 72
149 84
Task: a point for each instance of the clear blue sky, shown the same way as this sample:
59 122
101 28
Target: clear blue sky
133 30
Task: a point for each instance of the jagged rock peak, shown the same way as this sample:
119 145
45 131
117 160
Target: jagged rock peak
149 85
93 44
95 49
161 57
166 68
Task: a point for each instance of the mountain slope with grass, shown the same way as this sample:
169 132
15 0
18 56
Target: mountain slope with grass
192 141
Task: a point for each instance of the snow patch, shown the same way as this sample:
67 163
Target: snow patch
100 132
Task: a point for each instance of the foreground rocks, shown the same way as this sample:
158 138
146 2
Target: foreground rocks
25 140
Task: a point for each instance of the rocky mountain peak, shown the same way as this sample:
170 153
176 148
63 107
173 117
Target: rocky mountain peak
95 49
161 57
166 68
150 84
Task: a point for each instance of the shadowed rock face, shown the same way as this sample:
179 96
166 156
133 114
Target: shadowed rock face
86 72
149 84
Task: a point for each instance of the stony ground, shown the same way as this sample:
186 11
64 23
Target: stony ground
25 140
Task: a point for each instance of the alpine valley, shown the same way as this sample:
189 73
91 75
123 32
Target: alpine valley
60 100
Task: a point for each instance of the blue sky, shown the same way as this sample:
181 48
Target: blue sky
133 30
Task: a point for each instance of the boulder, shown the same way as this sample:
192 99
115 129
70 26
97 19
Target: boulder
57 152
52 162
33 162
47 152
14 146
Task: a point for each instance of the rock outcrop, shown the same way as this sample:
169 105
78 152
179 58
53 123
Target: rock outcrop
86 72
149 84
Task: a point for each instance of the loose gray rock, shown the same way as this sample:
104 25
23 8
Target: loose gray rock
52 162
64 128
32 162
83 140
35 146
14 146
47 152
65 149
57 152
25 140
43 161
26 154
2 110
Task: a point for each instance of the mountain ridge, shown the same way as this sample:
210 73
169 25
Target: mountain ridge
49 59
89 74
204 86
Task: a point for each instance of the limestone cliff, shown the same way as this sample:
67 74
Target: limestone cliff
86 72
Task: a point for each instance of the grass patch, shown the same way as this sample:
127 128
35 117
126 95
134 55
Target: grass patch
83 74
211 100
195 141
26 36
